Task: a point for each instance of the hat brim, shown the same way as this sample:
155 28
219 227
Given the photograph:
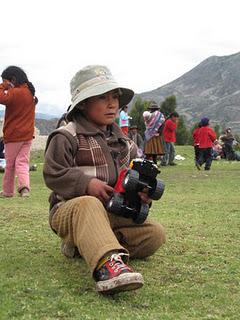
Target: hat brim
125 97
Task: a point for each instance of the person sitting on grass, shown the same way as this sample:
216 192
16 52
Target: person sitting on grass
227 148
82 162
217 150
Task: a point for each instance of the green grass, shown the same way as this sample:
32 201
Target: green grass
195 275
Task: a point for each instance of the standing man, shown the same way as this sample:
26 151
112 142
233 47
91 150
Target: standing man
169 137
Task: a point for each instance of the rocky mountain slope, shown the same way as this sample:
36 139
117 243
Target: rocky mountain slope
210 89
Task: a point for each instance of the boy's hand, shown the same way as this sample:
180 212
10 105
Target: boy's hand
144 196
99 189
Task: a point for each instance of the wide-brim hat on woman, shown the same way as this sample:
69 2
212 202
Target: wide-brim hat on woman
94 80
153 106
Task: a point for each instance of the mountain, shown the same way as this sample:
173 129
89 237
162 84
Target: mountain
44 116
210 89
37 115
45 126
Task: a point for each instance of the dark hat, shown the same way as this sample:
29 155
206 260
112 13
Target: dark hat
134 126
153 106
204 121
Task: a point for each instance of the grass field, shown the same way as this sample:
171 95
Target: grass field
196 275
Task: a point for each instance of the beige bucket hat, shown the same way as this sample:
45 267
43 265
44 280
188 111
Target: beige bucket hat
94 80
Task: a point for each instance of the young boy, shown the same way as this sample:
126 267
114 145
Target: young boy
206 138
82 162
169 137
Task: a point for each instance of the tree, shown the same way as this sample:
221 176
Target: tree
137 114
168 106
183 135
217 130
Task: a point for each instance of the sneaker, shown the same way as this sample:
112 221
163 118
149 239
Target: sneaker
113 275
24 193
3 195
172 164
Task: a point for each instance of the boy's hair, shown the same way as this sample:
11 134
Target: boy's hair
204 121
20 77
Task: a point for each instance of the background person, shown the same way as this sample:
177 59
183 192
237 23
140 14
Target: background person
135 136
124 119
153 145
195 136
217 150
227 145
206 138
81 167
169 137
18 95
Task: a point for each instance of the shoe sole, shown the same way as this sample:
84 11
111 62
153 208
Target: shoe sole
124 282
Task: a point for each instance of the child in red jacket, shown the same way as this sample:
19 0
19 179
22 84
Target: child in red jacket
206 138
169 137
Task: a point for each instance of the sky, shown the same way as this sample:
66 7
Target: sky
145 43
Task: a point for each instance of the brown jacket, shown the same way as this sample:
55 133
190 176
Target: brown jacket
19 115
79 152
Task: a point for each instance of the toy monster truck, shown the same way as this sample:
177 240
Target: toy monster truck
125 200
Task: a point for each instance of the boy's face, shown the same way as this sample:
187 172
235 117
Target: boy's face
102 109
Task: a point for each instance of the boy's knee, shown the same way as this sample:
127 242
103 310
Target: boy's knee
154 239
85 201
157 236
87 205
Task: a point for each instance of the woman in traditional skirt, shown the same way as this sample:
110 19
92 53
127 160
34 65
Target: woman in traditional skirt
153 120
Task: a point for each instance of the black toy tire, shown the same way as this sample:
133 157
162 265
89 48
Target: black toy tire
158 192
115 204
131 181
142 215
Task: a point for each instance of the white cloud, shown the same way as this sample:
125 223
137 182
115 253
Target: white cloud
145 43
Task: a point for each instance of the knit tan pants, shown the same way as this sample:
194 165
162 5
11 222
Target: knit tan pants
84 223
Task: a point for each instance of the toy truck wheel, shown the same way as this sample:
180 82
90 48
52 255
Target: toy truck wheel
158 192
115 204
142 215
131 180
